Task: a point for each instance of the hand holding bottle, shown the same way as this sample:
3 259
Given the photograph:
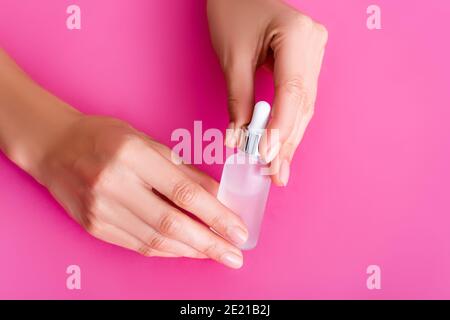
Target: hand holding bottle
116 182
247 34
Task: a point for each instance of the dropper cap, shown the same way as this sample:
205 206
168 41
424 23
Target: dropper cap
254 131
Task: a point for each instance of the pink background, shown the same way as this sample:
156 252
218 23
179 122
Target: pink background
369 185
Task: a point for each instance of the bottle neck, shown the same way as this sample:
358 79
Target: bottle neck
250 142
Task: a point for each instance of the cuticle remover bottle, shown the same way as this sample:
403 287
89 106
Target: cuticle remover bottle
245 183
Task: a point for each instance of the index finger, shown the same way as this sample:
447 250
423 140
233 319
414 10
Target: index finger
189 195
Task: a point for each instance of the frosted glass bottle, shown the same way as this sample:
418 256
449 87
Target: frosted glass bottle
244 186
244 189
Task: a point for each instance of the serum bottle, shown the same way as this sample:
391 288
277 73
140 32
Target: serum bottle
244 186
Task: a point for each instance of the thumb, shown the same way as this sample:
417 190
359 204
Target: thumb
240 87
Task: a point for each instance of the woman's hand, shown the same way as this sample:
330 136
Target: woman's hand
119 184
247 34
123 188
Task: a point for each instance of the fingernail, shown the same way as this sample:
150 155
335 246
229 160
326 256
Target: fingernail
272 152
230 137
231 260
238 235
284 172
238 136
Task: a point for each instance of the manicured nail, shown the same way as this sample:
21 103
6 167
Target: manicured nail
272 152
232 260
284 172
238 136
230 137
238 235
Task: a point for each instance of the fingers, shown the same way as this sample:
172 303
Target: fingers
189 195
207 182
171 223
114 214
239 75
114 235
290 94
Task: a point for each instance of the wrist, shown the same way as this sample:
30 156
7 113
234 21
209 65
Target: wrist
31 119
30 141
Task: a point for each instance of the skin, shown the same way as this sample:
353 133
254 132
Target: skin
248 34
87 162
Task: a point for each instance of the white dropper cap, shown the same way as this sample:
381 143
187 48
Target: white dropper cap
254 131
261 114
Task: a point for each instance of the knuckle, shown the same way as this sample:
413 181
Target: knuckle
145 250
184 193
233 102
295 88
234 106
294 85
169 224
302 22
129 142
156 242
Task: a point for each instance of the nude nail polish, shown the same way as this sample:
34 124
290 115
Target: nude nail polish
237 235
231 260
245 185
284 172
230 138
